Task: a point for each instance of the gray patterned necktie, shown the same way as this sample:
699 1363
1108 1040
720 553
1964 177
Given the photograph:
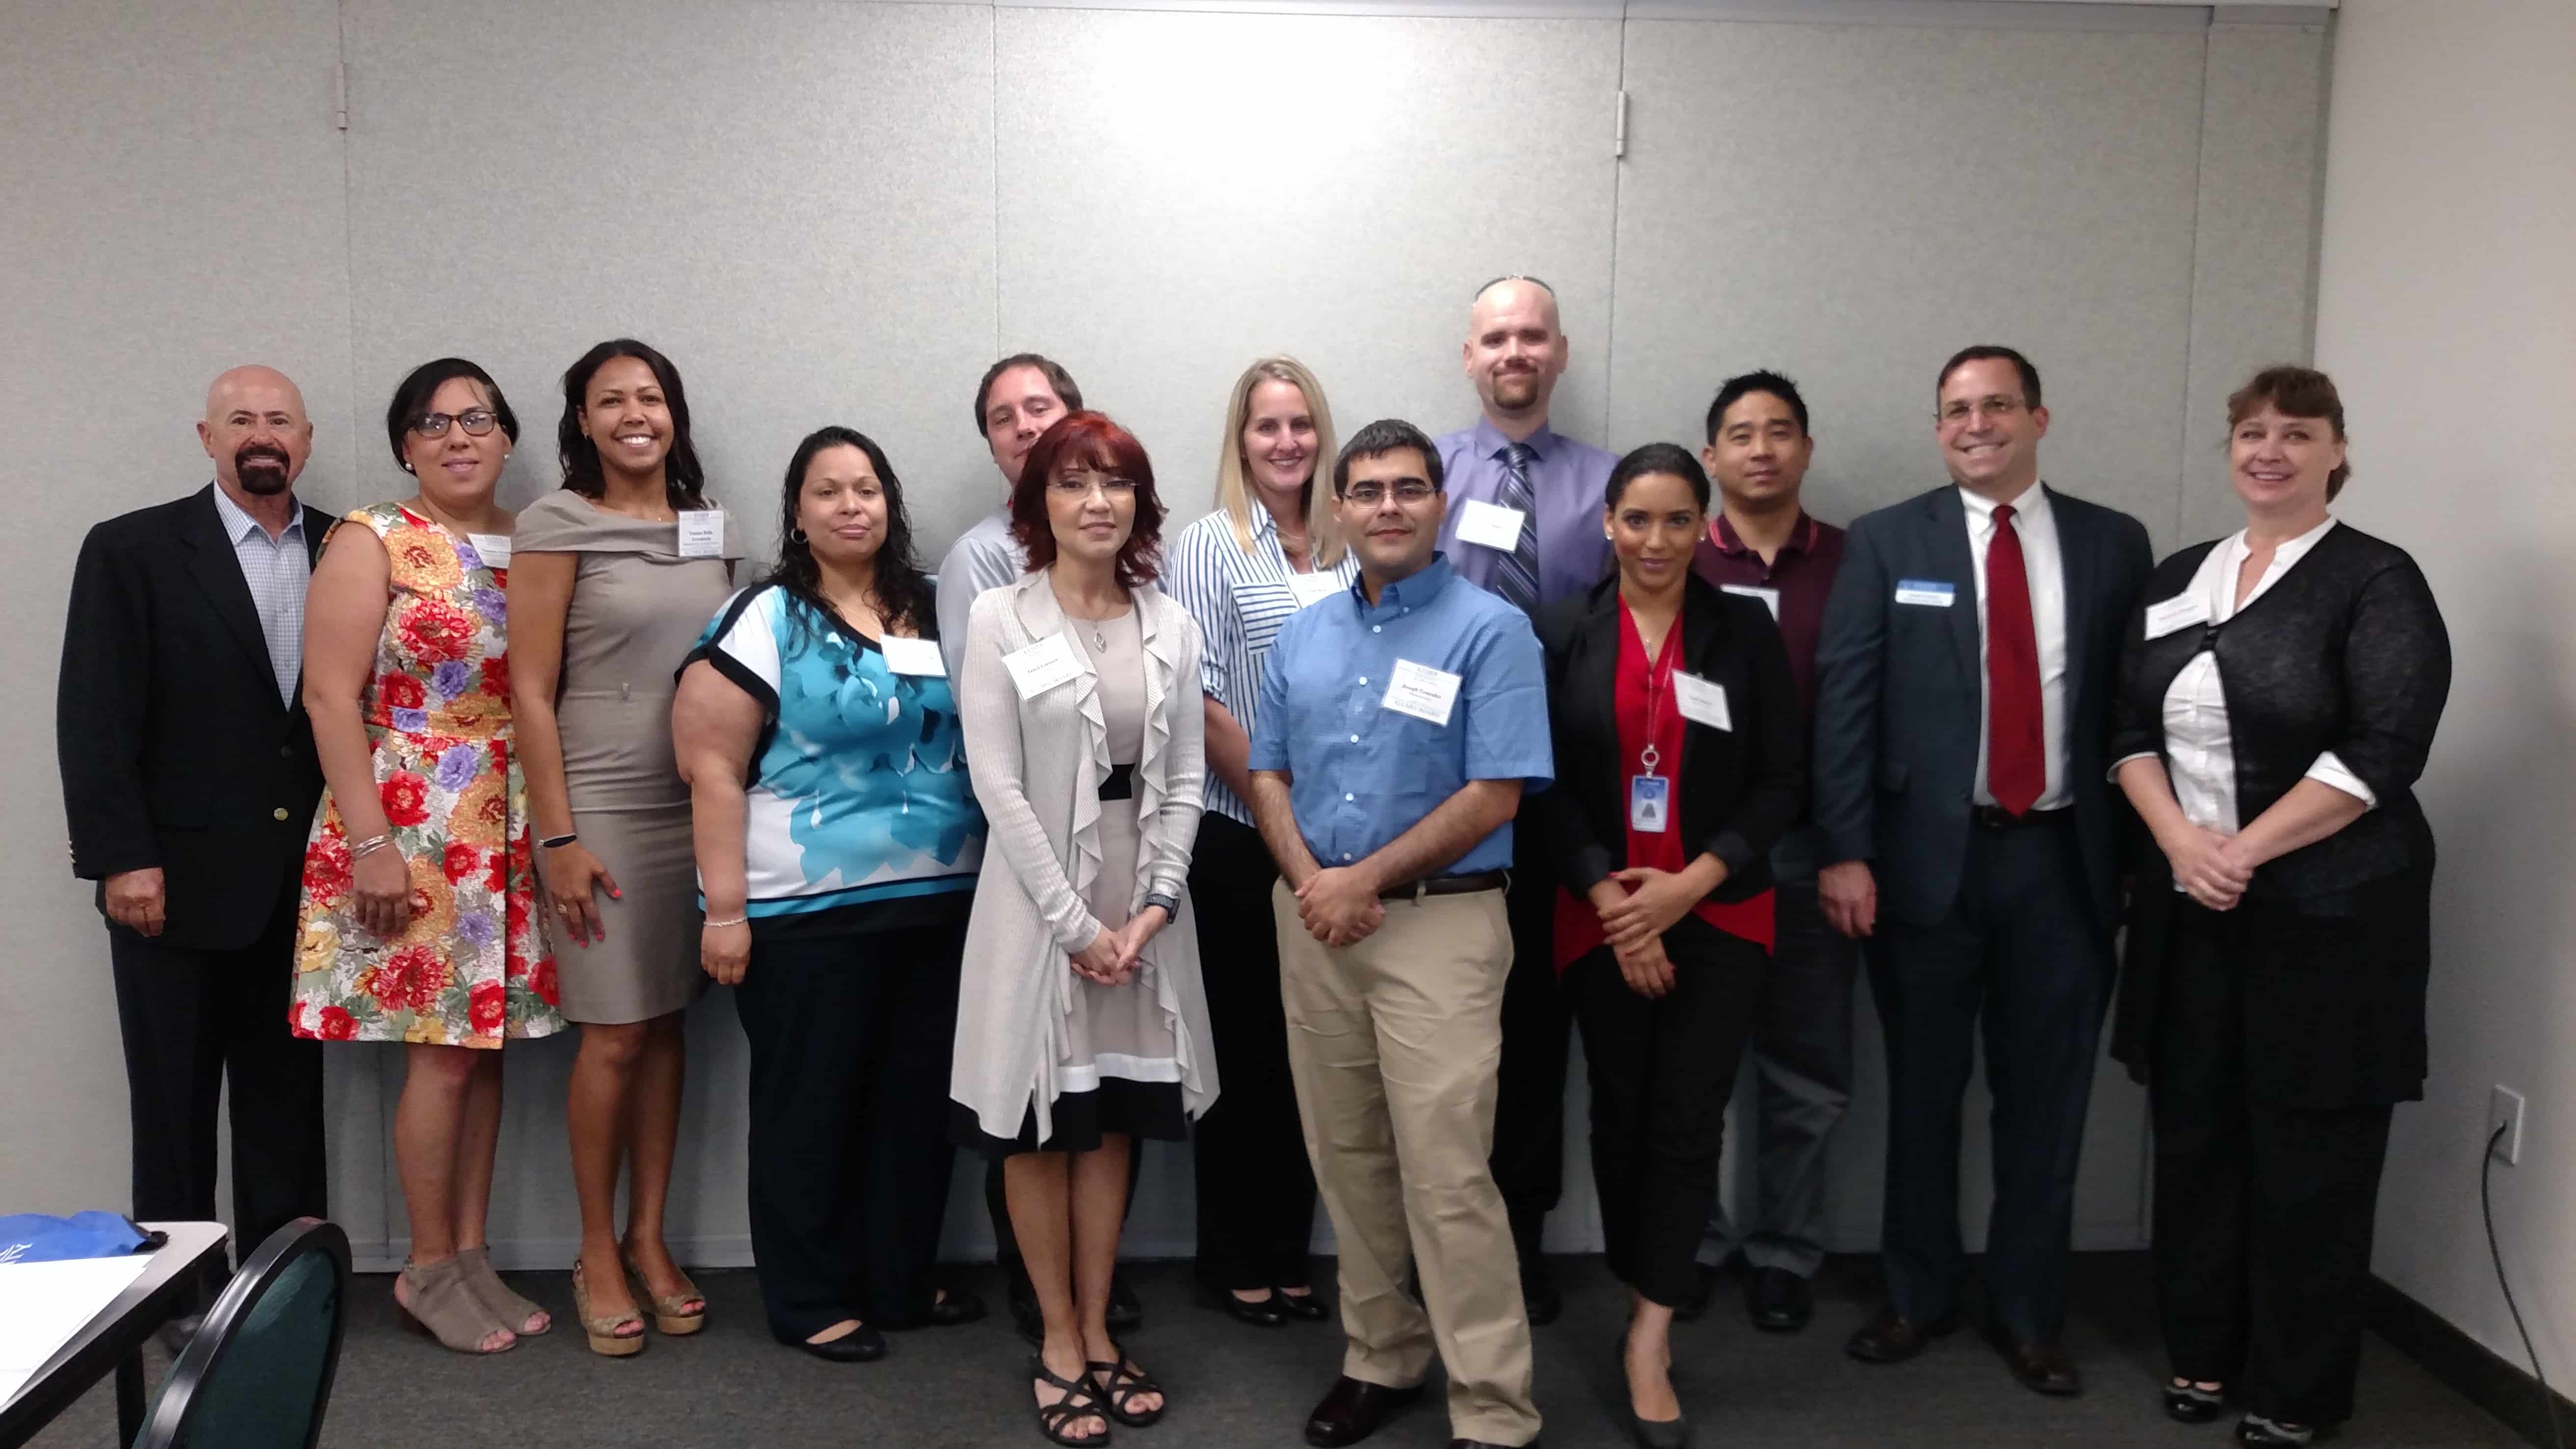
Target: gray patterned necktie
1515 578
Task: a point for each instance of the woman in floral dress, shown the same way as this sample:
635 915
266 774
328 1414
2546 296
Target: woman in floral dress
415 924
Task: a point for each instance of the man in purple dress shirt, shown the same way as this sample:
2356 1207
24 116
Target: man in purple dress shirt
1524 523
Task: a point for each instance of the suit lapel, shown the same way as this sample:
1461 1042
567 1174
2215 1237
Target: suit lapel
1953 563
2075 560
217 570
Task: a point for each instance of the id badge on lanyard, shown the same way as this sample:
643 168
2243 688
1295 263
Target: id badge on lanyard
1650 795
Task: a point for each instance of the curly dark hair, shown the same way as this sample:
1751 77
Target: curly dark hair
902 588
1092 439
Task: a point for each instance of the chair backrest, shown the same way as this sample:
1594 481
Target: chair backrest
258 1375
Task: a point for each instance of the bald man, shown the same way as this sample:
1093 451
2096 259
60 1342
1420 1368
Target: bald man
189 780
1524 523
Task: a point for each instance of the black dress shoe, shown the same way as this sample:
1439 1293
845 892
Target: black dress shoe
2042 1368
1352 1409
1703 1288
1539 1295
2264 1433
1891 1337
862 1344
1263 1312
1778 1301
1125 1313
953 1307
1308 1307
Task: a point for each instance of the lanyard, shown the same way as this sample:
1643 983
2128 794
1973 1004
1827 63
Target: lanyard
1659 687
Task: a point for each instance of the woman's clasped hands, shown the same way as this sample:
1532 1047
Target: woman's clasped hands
1113 955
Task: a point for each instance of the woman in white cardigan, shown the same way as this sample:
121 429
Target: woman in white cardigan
1081 1024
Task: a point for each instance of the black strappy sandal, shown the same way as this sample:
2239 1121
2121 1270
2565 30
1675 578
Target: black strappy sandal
1124 1380
1082 1400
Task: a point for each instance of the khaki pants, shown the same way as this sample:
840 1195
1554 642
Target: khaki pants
1393 1043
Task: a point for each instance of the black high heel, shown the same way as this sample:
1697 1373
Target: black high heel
1307 1307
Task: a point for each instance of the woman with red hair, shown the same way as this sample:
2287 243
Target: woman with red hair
1081 1024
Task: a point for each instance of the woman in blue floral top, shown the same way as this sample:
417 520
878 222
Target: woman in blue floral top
837 883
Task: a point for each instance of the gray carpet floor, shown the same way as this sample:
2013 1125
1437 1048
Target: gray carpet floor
731 1387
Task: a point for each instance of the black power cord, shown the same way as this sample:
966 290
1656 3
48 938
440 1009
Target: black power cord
2486 1210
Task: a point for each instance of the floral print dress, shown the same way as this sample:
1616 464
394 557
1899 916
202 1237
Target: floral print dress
471 969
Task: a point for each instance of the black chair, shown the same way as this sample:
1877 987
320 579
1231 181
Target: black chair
258 1375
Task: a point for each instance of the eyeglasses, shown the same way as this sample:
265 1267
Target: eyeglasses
1993 407
1407 490
1082 484
476 422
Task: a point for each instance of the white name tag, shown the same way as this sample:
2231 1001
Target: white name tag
1770 597
1422 691
1491 525
492 548
702 533
1931 592
917 656
1702 702
1042 666
1315 588
2179 612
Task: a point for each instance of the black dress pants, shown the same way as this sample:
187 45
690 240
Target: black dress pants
1529 1082
192 1019
1256 1188
2263 1211
1661 1072
850 1039
2020 954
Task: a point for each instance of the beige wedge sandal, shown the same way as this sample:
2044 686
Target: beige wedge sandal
607 1332
675 1314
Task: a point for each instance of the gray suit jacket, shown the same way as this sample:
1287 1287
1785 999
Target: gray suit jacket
1896 697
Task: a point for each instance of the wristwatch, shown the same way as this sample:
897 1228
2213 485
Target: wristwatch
1171 905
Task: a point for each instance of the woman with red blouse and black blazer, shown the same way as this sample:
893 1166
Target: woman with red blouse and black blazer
1681 758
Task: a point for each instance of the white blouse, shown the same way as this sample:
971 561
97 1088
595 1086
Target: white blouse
2200 750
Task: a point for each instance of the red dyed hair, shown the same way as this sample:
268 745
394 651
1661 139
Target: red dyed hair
1080 440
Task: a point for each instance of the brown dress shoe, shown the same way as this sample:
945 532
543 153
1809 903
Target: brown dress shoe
2043 1368
1891 1337
1353 1409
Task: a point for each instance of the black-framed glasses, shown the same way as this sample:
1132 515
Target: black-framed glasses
475 421
1371 493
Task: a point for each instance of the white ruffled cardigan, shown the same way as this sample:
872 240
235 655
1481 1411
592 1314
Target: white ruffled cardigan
1037 766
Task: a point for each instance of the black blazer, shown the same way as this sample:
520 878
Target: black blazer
1897 711
1735 791
2332 943
175 749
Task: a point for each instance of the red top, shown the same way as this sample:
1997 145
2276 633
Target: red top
1646 711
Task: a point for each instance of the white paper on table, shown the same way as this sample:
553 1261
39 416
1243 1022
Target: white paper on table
43 1305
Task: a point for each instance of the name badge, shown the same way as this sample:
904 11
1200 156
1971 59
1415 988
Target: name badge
1930 592
1314 588
1041 666
1770 597
2179 612
1422 691
702 533
1702 702
1491 525
917 656
492 548
1650 800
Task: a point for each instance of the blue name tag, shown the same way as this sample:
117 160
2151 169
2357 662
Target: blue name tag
1929 592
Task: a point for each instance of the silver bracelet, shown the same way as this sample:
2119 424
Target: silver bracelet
370 846
736 921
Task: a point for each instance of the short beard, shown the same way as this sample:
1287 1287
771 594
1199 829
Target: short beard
261 473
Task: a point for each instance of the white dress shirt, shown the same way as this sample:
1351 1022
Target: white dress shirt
277 571
2200 747
2045 564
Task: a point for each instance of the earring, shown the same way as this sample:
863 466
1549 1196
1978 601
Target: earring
409 468
796 534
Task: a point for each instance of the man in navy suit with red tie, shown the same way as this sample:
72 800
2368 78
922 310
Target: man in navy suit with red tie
1963 689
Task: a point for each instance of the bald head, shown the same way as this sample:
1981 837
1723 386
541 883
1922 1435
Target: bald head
256 430
1515 352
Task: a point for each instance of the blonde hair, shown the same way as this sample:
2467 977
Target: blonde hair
1234 470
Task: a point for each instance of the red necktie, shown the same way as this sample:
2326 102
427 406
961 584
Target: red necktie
2016 752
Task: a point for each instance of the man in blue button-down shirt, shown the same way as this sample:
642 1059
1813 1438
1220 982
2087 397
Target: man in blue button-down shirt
1399 724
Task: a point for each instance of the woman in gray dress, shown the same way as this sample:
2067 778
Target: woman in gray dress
615 574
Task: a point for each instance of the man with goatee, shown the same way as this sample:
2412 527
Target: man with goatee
189 781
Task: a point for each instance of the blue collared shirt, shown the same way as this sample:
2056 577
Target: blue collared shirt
1361 774
1566 486
276 570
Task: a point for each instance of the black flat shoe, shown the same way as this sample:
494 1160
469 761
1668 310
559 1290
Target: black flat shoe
1307 1307
2265 1433
1125 1313
862 1344
954 1306
2191 1405
1262 1312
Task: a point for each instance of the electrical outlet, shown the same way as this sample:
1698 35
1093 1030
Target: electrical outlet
2504 1109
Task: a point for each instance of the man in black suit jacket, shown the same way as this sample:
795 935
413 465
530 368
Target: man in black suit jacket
189 780
1964 683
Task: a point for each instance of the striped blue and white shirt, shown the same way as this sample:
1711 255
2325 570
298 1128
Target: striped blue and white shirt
1239 600
277 571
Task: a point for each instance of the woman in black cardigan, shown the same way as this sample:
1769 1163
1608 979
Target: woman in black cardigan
1680 759
2278 697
